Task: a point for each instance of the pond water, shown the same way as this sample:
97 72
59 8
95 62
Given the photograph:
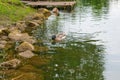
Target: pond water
91 48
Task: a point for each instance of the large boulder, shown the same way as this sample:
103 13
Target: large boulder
28 76
25 46
26 54
11 64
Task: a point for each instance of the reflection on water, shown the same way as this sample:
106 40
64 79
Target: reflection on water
90 33
81 55
77 61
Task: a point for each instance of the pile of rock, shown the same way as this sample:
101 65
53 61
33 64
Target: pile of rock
16 33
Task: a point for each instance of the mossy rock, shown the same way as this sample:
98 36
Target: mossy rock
11 73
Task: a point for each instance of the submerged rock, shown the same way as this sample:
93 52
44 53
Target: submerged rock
26 73
38 61
30 68
14 63
27 54
25 46
28 76
41 49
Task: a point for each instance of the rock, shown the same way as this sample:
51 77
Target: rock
39 16
4 37
44 11
3 31
2 44
25 72
25 46
25 37
28 76
15 35
55 11
21 25
38 61
32 24
13 29
18 36
41 49
30 68
26 54
1 56
11 64
38 22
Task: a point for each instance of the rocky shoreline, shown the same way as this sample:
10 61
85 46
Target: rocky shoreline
14 39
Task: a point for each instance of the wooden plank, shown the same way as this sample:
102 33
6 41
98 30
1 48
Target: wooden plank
50 3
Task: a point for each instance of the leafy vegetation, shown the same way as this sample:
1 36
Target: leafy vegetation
13 10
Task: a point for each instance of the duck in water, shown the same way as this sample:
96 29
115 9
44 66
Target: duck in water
58 37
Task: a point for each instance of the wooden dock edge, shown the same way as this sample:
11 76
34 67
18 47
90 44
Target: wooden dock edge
67 5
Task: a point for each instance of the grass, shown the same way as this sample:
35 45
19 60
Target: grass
13 10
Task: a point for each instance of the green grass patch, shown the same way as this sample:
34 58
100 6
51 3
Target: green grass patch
13 10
